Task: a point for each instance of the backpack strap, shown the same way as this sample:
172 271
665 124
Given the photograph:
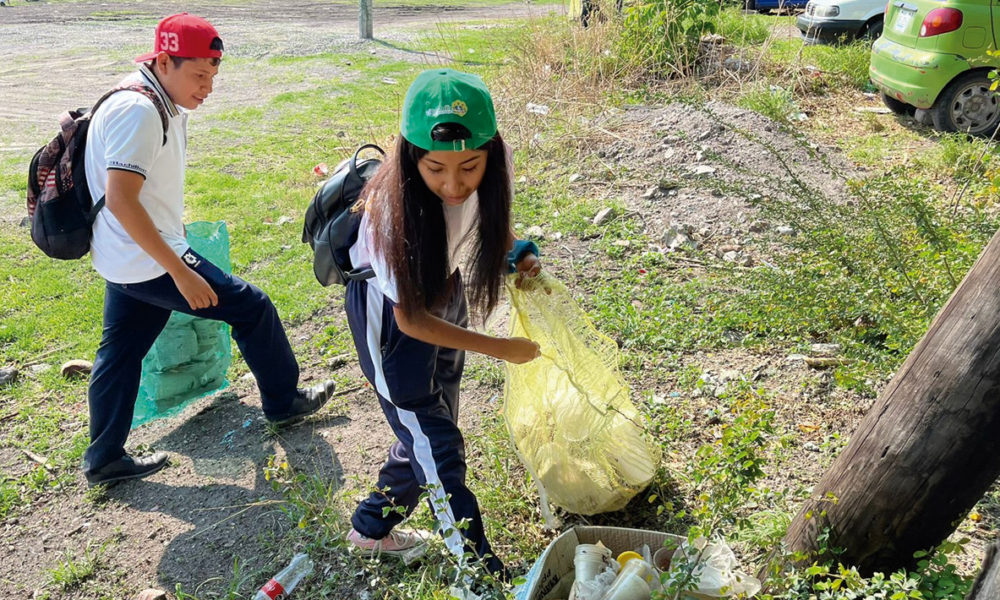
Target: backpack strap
146 91
362 274
92 215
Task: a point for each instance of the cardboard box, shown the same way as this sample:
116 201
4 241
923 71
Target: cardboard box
551 577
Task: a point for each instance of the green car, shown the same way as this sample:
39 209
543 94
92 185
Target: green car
933 55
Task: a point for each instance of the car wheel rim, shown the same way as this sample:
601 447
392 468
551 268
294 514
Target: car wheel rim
975 108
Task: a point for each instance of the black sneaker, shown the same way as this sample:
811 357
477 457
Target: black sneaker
306 402
127 467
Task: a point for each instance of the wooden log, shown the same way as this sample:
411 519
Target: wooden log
987 585
365 25
928 449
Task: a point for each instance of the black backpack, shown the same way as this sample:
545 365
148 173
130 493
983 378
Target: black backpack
60 207
331 226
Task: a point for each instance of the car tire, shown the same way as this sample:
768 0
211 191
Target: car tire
872 30
898 106
968 105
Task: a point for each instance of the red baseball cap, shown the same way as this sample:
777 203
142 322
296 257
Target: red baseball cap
185 36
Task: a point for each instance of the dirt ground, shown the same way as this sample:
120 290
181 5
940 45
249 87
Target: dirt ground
670 143
186 524
55 54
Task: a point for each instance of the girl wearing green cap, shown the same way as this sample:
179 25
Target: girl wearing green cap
445 189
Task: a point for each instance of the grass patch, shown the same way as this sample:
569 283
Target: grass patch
771 101
72 571
846 64
381 4
741 29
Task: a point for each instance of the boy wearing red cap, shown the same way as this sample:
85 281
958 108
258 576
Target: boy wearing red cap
135 160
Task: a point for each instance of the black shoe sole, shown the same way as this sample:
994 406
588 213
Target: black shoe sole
297 418
121 478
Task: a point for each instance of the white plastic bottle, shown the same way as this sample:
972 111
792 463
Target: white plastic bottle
282 584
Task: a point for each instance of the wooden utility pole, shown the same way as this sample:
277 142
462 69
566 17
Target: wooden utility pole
987 585
365 19
928 449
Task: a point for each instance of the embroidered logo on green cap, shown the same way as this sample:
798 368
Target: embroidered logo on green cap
457 108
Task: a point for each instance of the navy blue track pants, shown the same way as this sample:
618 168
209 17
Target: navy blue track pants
417 385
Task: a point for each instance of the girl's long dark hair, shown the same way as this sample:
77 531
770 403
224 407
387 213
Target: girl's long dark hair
408 228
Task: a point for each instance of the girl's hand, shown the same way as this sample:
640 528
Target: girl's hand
529 266
520 350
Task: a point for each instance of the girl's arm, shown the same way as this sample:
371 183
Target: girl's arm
437 331
529 266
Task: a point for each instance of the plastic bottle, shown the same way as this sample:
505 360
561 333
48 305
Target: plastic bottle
282 584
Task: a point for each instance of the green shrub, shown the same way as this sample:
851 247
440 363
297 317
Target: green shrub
663 35
844 65
935 577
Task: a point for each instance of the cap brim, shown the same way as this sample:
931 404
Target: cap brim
146 57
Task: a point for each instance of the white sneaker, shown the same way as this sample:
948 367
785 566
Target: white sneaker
407 544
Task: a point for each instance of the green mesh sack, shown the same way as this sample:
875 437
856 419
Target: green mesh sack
191 356
568 412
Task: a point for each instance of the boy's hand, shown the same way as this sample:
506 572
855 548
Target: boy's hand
529 266
520 350
195 289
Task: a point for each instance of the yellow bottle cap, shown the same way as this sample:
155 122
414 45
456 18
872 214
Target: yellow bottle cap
624 557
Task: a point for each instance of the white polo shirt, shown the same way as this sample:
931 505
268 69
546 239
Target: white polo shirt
126 133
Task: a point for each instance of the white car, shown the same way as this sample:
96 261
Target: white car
827 21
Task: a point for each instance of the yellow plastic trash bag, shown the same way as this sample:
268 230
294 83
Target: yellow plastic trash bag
568 412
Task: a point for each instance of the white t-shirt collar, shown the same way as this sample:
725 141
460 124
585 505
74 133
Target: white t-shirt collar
150 79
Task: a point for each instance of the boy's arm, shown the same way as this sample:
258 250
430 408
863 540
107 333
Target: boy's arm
438 332
122 199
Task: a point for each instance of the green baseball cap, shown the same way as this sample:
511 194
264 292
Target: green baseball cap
448 96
